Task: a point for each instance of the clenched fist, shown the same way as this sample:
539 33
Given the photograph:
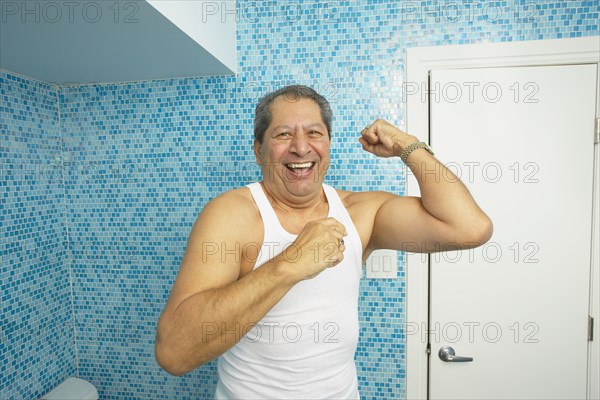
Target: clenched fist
384 139
320 245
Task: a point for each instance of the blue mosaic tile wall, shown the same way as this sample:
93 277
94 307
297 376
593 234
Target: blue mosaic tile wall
138 161
37 348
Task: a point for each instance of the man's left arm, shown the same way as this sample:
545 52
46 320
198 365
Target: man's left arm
445 217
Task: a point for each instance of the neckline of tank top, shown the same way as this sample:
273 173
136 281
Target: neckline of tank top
279 226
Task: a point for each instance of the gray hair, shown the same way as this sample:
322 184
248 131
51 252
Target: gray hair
291 93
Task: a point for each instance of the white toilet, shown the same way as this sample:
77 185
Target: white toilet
73 389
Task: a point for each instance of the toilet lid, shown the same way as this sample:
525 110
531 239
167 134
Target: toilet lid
73 389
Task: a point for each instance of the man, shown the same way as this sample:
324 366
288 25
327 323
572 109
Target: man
269 280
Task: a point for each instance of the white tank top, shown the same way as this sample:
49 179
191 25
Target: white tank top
304 347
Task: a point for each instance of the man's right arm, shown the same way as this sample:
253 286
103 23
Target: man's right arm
210 309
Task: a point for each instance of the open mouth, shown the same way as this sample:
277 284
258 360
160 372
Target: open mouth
300 169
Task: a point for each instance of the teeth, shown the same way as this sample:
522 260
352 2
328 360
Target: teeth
303 165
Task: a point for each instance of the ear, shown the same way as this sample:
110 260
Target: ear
257 152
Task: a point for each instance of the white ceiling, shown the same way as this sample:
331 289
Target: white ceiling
107 41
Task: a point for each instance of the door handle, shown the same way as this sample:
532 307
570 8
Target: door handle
447 354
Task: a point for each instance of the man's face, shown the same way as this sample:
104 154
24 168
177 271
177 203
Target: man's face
294 154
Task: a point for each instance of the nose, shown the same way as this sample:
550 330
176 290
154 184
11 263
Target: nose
300 145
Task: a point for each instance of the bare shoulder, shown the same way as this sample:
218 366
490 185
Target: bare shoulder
237 202
224 225
232 213
240 197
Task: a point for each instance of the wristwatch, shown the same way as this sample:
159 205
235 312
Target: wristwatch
412 147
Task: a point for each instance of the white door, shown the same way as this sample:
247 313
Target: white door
521 138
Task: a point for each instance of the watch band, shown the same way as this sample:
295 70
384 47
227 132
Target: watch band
412 147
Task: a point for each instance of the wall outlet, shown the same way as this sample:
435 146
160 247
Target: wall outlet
382 264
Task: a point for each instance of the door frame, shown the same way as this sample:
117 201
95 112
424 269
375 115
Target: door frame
421 60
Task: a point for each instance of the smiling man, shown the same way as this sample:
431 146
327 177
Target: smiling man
269 280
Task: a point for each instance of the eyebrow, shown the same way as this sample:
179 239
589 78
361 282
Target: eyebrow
317 124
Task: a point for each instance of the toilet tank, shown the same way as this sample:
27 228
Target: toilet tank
73 389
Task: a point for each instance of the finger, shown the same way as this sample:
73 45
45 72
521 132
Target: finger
370 135
336 260
340 254
365 129
334 223
364 143
364 133
337 240
330 221
338 226
340 231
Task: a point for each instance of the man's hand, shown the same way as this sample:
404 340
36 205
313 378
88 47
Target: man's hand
384 139
319 246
